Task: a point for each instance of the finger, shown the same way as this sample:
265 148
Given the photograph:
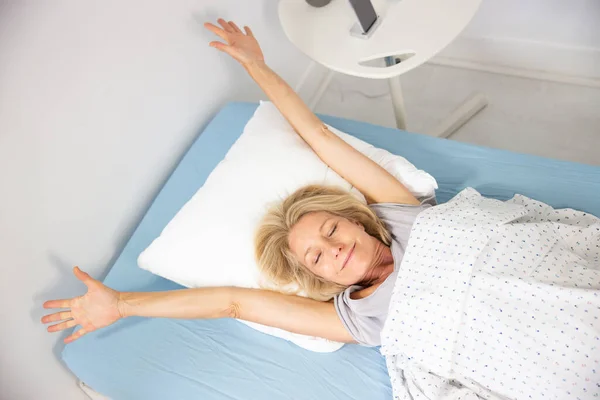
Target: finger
248 31
216 30
83 276
75 336
225 25
57 304
59 316
218 45
63 325
222 47
235 27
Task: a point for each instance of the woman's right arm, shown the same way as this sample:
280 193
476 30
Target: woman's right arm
102 306
372 180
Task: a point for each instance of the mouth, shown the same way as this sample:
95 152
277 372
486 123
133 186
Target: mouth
348 257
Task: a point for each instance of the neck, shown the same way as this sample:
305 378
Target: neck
383 266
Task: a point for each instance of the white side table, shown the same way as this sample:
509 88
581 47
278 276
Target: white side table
409 33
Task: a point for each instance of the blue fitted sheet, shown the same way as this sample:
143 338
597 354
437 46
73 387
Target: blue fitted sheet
224 359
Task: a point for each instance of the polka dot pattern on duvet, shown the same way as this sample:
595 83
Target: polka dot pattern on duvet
499 300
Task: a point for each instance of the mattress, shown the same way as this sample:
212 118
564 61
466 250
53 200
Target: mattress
158 358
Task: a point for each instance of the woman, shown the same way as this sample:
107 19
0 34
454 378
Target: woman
321 238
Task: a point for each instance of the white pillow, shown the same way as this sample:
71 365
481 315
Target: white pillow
210 240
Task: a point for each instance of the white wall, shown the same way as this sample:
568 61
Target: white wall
573 22
98 100
559 36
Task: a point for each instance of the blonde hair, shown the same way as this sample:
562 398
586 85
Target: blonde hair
272 250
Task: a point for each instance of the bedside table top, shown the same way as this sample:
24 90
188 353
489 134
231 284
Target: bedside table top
413 30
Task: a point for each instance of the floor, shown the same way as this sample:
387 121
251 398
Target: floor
524 115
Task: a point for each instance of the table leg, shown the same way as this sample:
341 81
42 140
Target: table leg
460 116
398 102
321 89
396 92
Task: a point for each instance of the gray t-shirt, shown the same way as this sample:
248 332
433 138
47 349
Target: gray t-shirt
364 318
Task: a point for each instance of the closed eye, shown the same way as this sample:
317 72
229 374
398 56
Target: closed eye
333 230
318 258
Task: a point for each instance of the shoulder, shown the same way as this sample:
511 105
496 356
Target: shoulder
399 218
386 210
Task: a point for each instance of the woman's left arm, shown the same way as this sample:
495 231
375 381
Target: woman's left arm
378 185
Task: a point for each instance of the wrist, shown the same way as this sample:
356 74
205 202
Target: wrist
122 305
255 65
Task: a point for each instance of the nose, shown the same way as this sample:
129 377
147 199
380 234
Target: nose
337 249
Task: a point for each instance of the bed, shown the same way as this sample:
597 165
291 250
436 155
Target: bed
223 359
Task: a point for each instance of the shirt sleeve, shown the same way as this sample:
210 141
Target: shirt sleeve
363 324
399 218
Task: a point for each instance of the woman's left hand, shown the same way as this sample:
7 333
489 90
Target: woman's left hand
243 47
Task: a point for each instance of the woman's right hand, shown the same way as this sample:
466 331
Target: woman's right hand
243 47
98 308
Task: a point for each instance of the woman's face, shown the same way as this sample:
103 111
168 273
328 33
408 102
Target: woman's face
333 247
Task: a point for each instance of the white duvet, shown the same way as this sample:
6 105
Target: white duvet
497 300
